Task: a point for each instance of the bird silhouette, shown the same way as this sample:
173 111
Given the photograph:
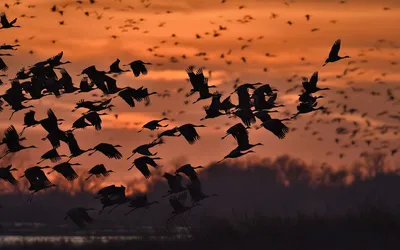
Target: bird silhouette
334 53
241 135
138 67
29 121
154 124
196 193
55 61
66 170
189 171
144 149
142 163
178 205
107 149
235 154
311 86
115 69
98 171
12 141
169 132
6 175
189 132
73 146
140 201
80 216
51 155
174 183
37 180
5 24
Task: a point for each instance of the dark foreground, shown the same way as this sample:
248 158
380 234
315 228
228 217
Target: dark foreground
368 228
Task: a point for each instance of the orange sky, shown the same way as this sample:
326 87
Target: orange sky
85 42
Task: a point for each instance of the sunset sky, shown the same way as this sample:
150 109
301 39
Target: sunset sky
367 30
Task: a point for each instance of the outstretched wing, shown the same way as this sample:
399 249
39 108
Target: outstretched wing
314 79
335 49
57 57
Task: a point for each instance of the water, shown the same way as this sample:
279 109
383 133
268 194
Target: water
74 240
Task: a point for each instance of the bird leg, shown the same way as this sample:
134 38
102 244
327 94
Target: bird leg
22 131
131 211
5 154
130 156
168 194
88 177
92 152
40 161
12 114
114 208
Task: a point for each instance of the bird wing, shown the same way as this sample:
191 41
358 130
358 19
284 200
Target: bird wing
94 119
189 132
29 117
109 150
276 127
72 143
57 57
142 167
127 96
11 134
3 65
335 49
314 79
114 67
4 20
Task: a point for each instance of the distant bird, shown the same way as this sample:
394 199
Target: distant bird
115 69
12 139
153 125
334 54
80 216
99 170
5 24
235 154
141 164
66 170
140 201
189 171
189 132
108 150
138 67
144 149
6 175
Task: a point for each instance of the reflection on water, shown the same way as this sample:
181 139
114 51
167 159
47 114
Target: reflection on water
75 240
98 236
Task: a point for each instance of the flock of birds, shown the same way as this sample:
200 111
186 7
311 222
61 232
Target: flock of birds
255 101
